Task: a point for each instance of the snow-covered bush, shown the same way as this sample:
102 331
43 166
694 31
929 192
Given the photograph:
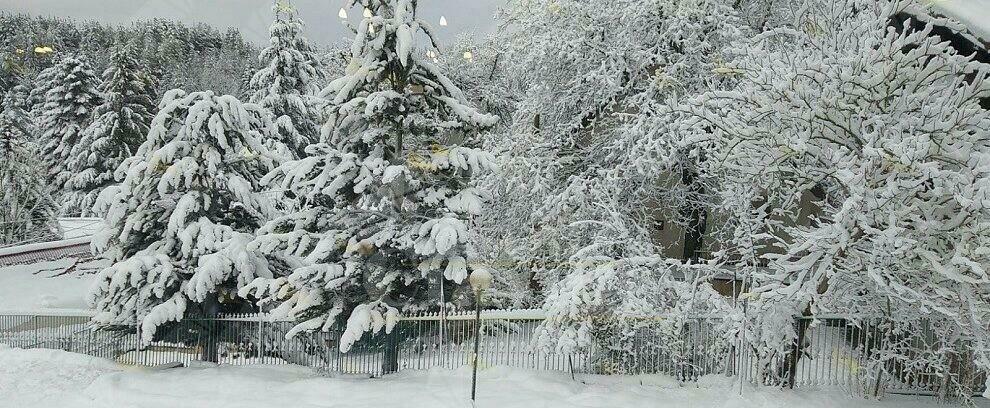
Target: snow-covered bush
181 220
630 311
387 197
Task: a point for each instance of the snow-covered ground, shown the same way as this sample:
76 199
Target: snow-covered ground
50 378
45 285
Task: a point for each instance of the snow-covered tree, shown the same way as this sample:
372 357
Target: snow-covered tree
181 219
16 106
71 96
486 78
387 196
288 81
587 144
631 310
26 204
120 125
39 88
592 164
882 127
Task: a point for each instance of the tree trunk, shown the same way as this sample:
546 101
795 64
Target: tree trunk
211 306
390 361
795 356
695 215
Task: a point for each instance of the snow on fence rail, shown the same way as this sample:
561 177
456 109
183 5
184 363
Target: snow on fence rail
833 352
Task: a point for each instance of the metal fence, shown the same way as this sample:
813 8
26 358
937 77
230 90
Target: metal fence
865 357
862 357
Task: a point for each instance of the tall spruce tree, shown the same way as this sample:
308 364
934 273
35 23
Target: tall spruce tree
26 205
118 129
181 219
287 82
69 103
39 88
16 106
387 196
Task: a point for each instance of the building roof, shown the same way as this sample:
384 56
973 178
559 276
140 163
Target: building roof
75 243
46 251
51 277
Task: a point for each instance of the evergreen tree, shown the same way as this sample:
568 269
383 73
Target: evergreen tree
180 220
26 205
36 98
69 102
387 196
287 81
16 104
120 126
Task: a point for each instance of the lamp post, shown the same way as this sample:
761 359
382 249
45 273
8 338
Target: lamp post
480 280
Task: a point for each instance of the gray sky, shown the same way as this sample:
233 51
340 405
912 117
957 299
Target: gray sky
253 17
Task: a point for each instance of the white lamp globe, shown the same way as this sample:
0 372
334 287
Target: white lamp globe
480 279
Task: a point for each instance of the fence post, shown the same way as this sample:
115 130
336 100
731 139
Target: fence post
795 353
390 363
211 307
261 340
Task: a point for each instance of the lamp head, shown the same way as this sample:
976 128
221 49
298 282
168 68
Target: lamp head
480 279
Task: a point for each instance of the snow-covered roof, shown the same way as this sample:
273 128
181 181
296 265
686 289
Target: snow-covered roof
50 277
76 233
46 251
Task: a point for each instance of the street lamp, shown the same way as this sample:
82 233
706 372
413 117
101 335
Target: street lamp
480 280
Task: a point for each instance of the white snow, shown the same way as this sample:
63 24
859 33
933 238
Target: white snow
45 286
40 246
43 378
974 14
76 227
50 378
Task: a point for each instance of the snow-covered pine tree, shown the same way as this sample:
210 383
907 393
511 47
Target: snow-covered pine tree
287 82
118 129
181 219
387 196
16 106
39 88
883 127
26 204
69 102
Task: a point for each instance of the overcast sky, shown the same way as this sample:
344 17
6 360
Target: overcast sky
253 17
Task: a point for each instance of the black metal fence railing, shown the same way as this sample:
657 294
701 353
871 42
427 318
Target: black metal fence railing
861 356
